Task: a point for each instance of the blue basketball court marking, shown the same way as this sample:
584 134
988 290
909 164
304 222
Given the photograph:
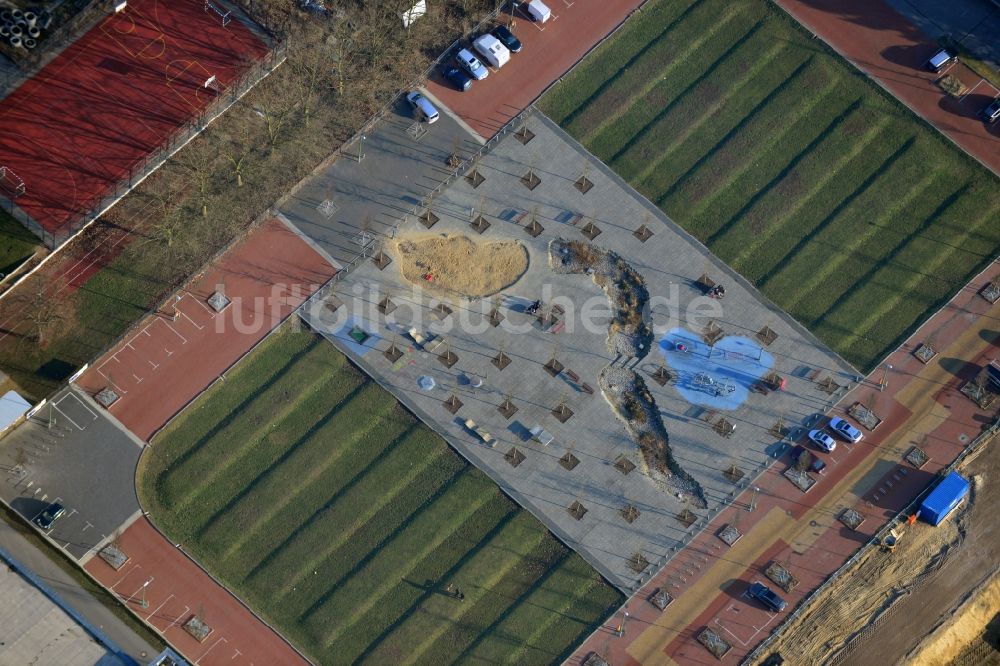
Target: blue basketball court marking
718 377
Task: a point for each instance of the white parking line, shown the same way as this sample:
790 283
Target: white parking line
157 609
222 639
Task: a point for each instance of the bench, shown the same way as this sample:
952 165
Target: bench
572 375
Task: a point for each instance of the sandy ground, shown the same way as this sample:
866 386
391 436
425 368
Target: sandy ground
458 266
880 612
961 630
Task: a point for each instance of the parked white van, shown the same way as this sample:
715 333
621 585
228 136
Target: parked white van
492 50
538 11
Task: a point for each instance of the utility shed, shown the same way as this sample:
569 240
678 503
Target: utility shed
943 499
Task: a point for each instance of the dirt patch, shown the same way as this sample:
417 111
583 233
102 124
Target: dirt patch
841 623
455 265
963 630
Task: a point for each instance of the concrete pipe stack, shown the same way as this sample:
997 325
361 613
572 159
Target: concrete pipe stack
23 28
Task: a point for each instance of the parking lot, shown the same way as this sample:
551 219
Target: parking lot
72 453
549 51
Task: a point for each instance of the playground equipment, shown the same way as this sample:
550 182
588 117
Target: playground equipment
708 384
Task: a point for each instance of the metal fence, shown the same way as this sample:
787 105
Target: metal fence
155 158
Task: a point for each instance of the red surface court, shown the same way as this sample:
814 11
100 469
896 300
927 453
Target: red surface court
549 50
169 360
800 530
165 588
78 127
890 49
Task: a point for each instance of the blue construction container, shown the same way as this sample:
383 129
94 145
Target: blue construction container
943 499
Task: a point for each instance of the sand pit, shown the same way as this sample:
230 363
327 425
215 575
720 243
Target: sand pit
458 266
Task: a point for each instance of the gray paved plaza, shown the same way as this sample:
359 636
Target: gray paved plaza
350 202
670 262
74 453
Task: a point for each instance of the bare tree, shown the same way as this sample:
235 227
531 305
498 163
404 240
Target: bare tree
199 159
238 151
275 102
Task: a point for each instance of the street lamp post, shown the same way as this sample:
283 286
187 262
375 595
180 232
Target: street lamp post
143 602
621 625
884 382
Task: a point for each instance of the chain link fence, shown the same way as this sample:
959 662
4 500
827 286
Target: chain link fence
140 169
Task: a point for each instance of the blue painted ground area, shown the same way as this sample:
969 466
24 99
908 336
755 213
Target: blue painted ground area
718 377
343 334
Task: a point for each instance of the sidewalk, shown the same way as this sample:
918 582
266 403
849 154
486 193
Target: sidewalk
72 594
892 51
920 405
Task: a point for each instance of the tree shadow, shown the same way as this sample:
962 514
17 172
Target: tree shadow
960 368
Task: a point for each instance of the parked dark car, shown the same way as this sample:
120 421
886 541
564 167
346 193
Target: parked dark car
456 77
50 515
810 462
766 596
991 112
507 38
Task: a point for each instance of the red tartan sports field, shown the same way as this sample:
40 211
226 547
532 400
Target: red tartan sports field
78 127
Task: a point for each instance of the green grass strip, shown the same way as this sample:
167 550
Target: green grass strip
424 550
491 581
395 487
681 43
220 448
284 484
766 126
756 67
801 198
634 120
565 605
609 59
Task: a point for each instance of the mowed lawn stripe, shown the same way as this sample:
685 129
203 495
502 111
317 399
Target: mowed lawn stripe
728 181
217 406
556 610
765 127
790 207
423 551
222 447
285 482
613 56
365 545
859 238
247 460
610 140
700 102
491 582
907 266
407 600
666 55
412 472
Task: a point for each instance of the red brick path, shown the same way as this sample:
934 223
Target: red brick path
177 589
170 360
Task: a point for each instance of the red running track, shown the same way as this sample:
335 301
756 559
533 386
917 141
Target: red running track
169 360
165 588
76 129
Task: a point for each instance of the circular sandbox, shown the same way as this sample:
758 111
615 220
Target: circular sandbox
456 265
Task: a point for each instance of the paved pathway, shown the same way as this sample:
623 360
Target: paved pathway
90 607
891 50
921 405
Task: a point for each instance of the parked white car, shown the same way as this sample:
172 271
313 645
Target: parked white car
822 440
845 430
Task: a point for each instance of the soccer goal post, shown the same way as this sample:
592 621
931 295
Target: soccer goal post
218 12
10 182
